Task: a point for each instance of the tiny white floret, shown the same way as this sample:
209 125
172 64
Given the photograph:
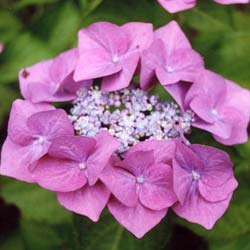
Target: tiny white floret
82 166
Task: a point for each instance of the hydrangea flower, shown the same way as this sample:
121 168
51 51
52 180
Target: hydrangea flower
203 182
1 47
112 52
142 185
225 113
120 145
31 129
51 80
72 168
170 57
174 6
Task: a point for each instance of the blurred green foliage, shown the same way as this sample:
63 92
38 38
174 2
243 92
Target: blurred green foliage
34 30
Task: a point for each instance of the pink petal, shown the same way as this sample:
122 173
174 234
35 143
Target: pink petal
140 34
106 145
164 151
123 78
138 220
218 168
150 60
173 6
182 181
75 148
50 124
87 201
138 162
219 193
105 35
58 175
173 37
95 63
157 192
121 183
179 91
43 81
21 110
16 159
197 210
231 1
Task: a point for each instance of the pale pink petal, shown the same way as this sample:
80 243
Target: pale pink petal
121 183
138 220
87 201
58 175
106 145
198 210
156 192
75 148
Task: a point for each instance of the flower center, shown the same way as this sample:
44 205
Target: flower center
214 112
196 176
82 166
40 140
140 179
131 115
115 59
169 69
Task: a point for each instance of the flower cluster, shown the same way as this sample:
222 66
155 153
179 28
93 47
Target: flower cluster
129 115
173 6
120 146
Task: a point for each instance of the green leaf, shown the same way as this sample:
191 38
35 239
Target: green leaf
89 5
64 28
21 52
36 204
108 234
24 3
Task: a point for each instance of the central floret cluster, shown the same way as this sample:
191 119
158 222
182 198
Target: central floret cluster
130 115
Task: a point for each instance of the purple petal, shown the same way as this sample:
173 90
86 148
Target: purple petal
121 183
138 220
75 148
198 210
87 201
58 175
157 192
106 145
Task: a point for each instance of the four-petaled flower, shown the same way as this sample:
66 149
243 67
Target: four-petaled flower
142 185
112 52
203 182
72 168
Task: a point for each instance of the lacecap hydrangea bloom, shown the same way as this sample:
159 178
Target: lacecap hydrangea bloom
174 6
120 146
